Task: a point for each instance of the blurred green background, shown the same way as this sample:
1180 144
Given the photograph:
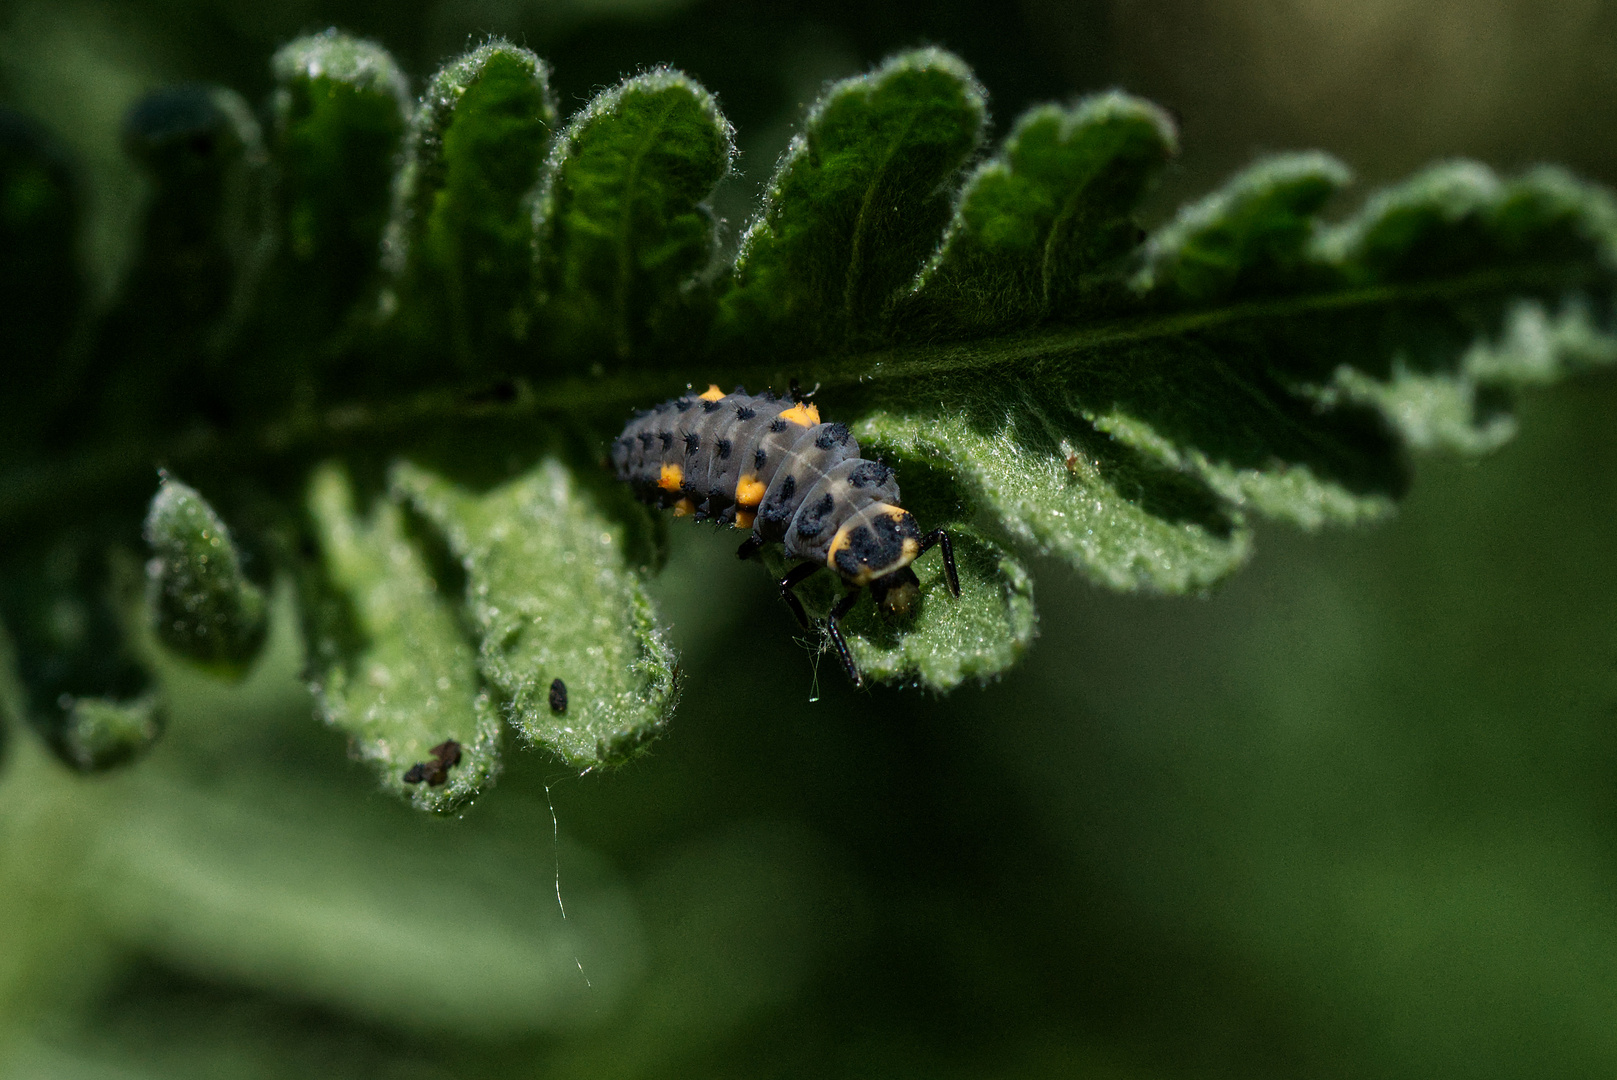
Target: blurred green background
1356 815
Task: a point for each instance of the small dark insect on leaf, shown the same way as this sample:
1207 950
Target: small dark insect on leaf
558 696
446 755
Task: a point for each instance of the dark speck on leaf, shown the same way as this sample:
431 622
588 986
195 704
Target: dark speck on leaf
558 696
445 755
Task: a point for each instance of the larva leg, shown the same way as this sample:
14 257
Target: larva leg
749 547
792 580
941 538
834 628
795 391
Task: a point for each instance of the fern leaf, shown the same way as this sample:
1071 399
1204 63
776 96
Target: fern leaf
1046 378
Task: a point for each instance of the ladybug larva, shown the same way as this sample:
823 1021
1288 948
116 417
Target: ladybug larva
768 464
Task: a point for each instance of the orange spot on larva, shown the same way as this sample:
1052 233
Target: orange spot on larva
802 415
749 491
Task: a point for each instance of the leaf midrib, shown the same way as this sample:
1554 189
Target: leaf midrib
854 275
1078 195
625 230
30 489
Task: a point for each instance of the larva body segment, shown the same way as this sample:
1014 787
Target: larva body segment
770 464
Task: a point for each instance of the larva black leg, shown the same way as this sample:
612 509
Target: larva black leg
834 628
792 580
749 547
941 538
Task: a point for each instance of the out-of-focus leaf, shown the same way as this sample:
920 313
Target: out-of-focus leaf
389 659
201 604
622 225
340 111
462 228
278 899
83 684
97 733
203 235
855 207
41 287
552 597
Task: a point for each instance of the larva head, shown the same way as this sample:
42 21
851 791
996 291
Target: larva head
879 541
897 593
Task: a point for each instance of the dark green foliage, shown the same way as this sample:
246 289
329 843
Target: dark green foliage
1289 398
854 208
71 615
201 603
340 111
461 236
40 283
203 241
1253 236
622 222
98 733
1041 224
1046 379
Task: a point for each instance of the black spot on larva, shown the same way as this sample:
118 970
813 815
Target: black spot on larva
710 406
778 509
723 448
758 458
667 438
835 435
777 425
744 413
868 474
683 403
558 696
646 439
692 441
812 521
